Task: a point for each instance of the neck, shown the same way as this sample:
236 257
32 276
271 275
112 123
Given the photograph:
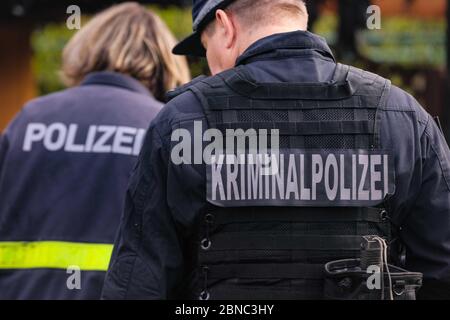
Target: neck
256 34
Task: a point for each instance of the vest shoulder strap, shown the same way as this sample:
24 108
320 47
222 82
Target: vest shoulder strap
234 99
346 82
234 88
182 89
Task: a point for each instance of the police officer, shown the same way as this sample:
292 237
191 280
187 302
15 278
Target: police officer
66 157
341 154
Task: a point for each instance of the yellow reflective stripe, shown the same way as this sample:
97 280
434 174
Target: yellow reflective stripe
54 255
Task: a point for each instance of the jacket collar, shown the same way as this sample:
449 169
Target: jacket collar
117 80
272 45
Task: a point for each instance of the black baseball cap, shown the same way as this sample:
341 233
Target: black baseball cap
203 12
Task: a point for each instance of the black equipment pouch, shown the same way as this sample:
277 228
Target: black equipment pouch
345 280
369 277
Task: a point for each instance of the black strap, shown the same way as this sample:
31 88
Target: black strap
241 215
266 271
226 292
305 128
176 92
223 102
340 72
381 105
247 241
239 80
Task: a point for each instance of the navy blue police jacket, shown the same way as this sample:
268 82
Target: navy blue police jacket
153 253
65 161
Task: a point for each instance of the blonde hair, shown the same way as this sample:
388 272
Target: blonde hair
129 39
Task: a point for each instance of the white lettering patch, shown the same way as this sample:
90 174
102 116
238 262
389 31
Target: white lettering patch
301 178
96 139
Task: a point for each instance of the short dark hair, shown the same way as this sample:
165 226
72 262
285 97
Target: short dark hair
254 11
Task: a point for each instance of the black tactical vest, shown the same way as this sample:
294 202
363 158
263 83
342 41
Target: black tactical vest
272 251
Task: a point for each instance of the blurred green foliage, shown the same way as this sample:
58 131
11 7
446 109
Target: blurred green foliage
49 40
401 41
404 41
177 19
407 42
326 26
179 22
402 44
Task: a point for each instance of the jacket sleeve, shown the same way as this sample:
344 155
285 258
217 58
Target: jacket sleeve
9 137
3 150
426 232
147 259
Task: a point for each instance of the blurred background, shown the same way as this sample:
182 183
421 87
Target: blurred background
411 48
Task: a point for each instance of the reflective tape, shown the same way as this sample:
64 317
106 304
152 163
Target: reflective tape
54 255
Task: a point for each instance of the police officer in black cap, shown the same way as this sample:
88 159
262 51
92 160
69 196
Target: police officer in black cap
333 158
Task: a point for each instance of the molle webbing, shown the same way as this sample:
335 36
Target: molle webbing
292 245
339 114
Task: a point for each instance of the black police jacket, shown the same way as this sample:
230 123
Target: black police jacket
156 246
65 162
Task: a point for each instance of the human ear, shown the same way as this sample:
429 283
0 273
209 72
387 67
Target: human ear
226 27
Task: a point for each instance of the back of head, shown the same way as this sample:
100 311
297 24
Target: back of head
260 13
128 39
244 22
